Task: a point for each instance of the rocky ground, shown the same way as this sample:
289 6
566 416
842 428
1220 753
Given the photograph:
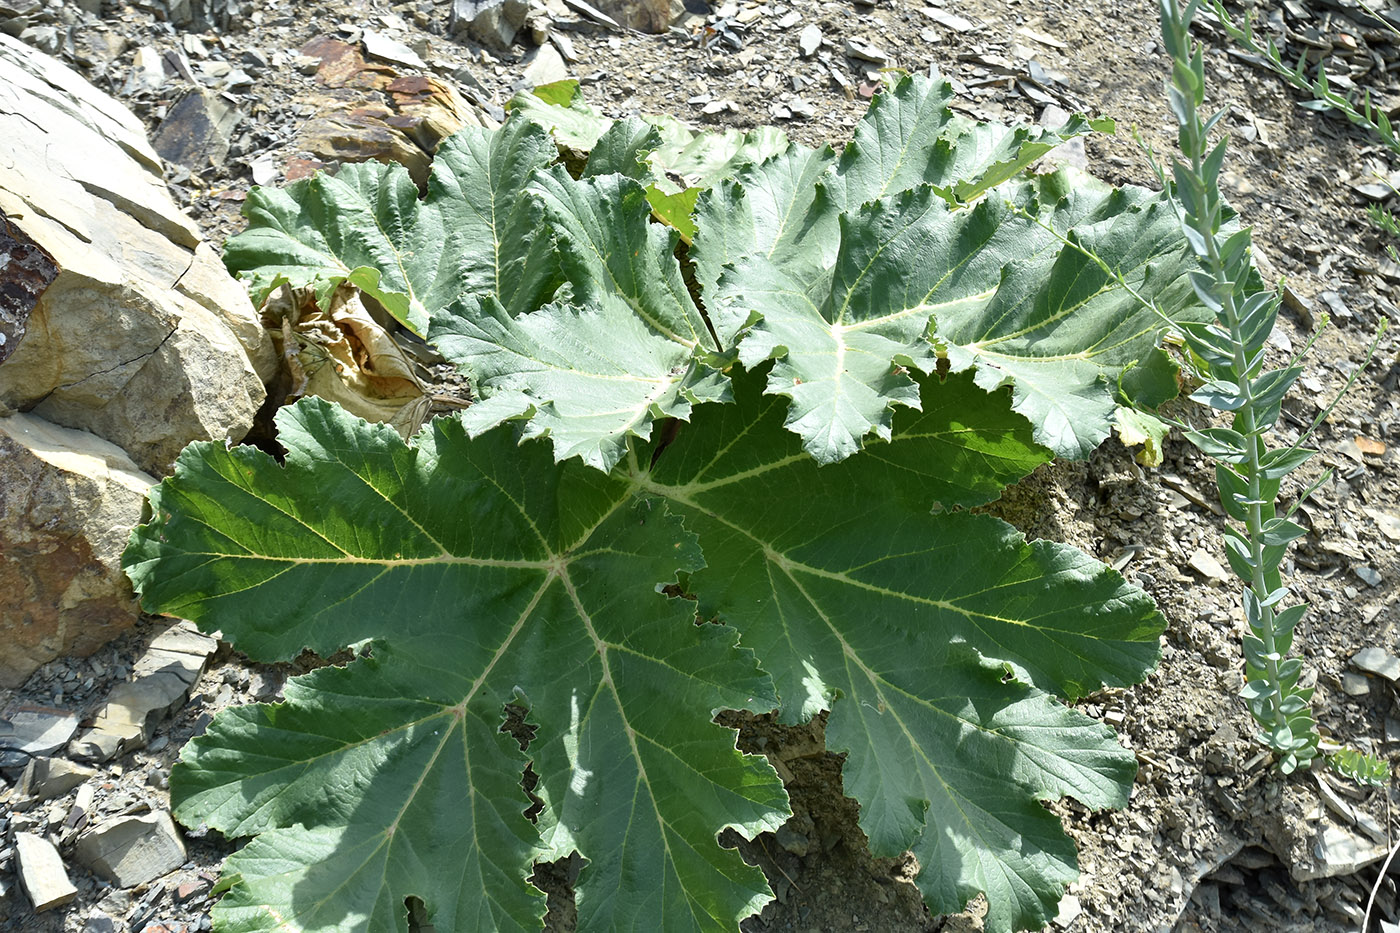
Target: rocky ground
1213 840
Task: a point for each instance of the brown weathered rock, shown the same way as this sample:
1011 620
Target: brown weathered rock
68 500
374 111
142 338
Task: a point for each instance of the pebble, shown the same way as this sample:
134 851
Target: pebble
1368 575
1355 684
793 841
546 66
865 51
380 46
164 674
1207 566
197 131
1340 852
1377 661
1387 522
950 20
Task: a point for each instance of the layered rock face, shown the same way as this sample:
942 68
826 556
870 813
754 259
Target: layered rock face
120 325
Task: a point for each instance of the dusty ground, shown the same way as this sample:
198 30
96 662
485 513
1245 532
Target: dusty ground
1212 840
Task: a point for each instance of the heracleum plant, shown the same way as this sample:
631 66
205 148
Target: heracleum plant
875 340
1230 354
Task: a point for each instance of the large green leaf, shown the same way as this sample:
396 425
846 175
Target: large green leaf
851 271
993 286
902 623
776 210
474 233
630 349
912 137
482 574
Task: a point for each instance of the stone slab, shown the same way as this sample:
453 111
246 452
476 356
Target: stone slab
41 872
132 850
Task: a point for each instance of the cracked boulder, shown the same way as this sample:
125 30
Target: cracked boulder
141 337
124 339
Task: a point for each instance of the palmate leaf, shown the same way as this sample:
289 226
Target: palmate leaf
786 208
586 378
902 623
851 270
911 137
476 264
481 574
629 348
474 233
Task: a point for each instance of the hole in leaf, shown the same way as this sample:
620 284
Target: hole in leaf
517 726
556 879
417 916
523 731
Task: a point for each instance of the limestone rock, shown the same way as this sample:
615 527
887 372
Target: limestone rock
41 872
197 130
1377 661
132 710
135 340
33 731
545 66
68 500
133 850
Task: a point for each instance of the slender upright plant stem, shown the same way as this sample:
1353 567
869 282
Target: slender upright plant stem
1229 355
